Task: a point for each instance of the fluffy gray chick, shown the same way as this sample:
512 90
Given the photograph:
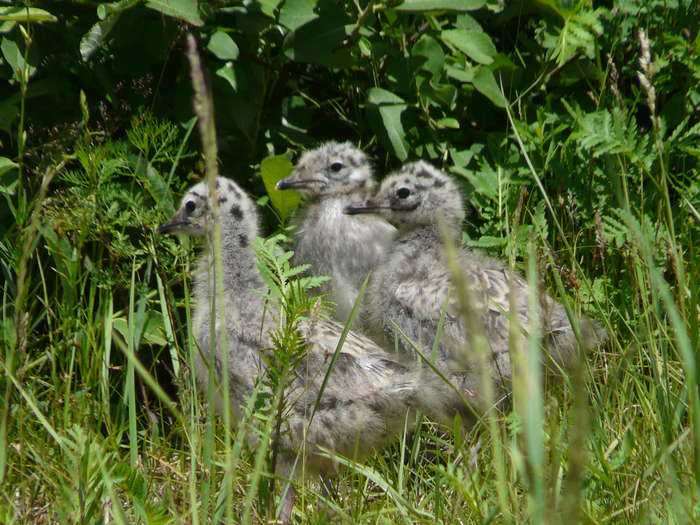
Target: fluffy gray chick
341 246
411 286
369 396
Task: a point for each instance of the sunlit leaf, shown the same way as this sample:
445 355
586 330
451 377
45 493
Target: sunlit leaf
26 15
183 9
296 13
440 5
223 46
272 170
477 45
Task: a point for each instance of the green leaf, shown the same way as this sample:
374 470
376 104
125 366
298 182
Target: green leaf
159 190
93 39
477 45
431 50
485 83
15 58
485 180
296 13
268 7
448 122
441 5
153 331
441 94
272 170
465 21
390 107
228 74
183 9
223 46
460 74
6 165
318 41
26 15
110 8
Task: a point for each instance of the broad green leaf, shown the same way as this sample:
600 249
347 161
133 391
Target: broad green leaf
439 94
26 15
465 21
476 45
459 73
485 83
296 13
15 58
390 107
319 40
272 170
223 46
268 6
183 9
441 5
431 50
228 74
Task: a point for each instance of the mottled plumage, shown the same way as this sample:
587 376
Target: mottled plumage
368 394
410 287
341 246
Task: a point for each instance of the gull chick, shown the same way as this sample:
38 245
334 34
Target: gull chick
412 286
343 247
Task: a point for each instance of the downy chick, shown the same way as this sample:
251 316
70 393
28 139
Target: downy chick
369 396
343 247
410 288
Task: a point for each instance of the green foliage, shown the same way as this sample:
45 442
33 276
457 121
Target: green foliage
574 137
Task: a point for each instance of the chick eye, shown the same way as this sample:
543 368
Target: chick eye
336 167
402 193
190 206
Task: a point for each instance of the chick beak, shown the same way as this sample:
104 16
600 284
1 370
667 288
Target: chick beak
369 206
300 179
175 224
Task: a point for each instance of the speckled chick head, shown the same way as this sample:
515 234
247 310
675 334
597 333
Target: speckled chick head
195 215
416 195
331 169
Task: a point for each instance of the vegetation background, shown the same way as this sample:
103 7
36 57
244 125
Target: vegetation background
573 127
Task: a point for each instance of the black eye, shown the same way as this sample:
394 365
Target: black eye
190 206
402 193
336 167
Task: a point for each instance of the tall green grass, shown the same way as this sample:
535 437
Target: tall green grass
101 421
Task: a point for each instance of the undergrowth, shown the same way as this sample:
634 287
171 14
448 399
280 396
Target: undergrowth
573 131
